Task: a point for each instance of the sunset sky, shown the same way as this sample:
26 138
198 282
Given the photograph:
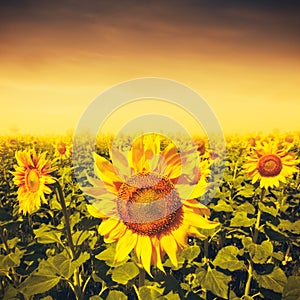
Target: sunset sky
243 57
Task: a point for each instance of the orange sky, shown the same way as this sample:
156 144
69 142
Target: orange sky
55 58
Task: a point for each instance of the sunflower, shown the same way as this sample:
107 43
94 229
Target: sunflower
32 177
147 202
270 163
62 149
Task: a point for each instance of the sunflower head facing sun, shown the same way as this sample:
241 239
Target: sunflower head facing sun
147 200
62 149
270 164
32 175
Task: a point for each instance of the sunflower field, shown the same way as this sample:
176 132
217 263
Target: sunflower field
167 229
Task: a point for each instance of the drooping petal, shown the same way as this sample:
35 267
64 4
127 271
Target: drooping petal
170 247
124 245
107 173
107 225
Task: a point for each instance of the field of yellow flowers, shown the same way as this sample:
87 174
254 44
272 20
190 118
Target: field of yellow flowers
146 221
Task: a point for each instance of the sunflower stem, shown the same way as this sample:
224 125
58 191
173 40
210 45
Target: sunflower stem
258 218
142 276
248 283
61 199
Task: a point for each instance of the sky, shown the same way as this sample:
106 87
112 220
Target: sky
56 57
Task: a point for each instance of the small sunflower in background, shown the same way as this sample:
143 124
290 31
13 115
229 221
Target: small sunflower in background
62 149
270 163
32 176
152 208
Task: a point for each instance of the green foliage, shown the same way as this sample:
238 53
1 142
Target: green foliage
38 262
124 273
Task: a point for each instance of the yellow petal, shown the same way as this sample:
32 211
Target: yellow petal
107 173
180 235
116 233
146 254
194 219
124 245
194 232
170 247
95 212
156 254
107 225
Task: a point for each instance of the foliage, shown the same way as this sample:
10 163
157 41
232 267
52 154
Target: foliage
241 259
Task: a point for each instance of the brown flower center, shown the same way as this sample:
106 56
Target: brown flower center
149 204
269 165
61 148
32 180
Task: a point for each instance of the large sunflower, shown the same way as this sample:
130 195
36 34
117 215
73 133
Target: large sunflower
150 207
270 163
32 176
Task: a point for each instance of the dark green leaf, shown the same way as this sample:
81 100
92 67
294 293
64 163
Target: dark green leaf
36 284
247 191
293 227
227 259
274 281
241 219
150 292
260 253
47 234
116 295
216 282
222 206
190 253
292 289
125 273
268 207
246 207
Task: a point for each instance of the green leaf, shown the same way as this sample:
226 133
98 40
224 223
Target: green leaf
247 241
10 260
95 297
13 242
37 284
10 293
274 233
108 255
47 234
62 264
274 281
216 282
293 227
227 259
150 292
222 206
268 207
171 296
278 255
83 257
116 295
241 219
124 273
80 236
190 253
247 191
260 253
47 298
292 289
246 207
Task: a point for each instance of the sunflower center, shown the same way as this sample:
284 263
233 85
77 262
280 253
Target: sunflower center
33 180
269 165
61 148
149 204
